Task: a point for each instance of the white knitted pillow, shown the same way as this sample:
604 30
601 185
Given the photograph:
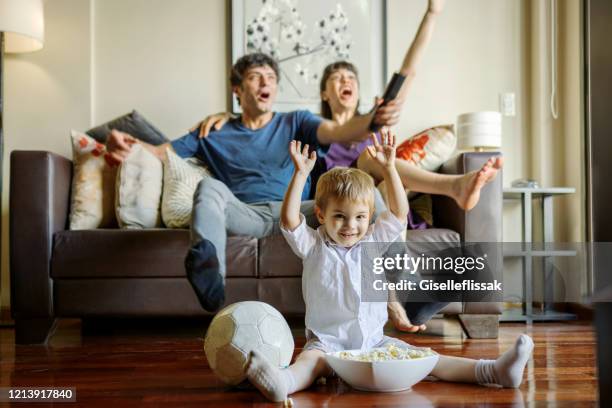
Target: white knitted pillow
181 177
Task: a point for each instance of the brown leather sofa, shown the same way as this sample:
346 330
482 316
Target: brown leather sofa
59 273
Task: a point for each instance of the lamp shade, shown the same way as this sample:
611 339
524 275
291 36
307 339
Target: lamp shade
479 130
23 25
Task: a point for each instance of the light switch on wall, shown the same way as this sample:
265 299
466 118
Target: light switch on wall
507 104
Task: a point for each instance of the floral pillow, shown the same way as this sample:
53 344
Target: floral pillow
93 185
429 149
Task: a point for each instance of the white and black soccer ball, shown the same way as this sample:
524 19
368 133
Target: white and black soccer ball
240 328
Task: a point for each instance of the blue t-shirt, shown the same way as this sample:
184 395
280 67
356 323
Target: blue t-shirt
254 164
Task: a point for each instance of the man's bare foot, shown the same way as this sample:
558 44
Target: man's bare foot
467 188
400 320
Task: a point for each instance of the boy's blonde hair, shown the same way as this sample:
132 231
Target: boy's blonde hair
345 183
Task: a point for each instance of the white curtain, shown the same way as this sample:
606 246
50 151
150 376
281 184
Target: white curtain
557 145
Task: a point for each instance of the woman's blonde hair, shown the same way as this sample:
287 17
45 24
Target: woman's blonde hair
345 183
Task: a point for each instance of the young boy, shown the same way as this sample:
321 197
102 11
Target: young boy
336 317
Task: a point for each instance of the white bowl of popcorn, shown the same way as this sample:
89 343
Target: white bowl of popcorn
387 369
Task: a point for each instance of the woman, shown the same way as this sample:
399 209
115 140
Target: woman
339 90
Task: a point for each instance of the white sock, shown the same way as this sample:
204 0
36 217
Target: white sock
507 370
289 380
270 380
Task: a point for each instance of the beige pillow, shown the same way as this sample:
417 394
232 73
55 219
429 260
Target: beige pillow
430 148
93 185
138 190
181 177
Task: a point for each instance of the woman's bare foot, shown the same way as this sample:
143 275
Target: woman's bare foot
467 188
400 320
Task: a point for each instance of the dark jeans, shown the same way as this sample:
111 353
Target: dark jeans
421 312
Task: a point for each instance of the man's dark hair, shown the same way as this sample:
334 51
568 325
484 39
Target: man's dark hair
256 59
327 72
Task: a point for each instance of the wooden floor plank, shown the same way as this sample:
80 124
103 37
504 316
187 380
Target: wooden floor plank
151 364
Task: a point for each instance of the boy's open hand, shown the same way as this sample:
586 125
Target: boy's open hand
383 154
304 163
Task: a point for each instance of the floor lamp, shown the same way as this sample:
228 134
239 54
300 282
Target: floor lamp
21 30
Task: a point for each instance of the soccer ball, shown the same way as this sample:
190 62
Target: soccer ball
241 327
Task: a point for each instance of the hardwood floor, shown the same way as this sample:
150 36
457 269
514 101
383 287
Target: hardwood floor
163 364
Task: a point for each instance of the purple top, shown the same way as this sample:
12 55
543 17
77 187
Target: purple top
347 155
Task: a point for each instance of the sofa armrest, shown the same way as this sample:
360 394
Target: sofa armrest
39 204
484 222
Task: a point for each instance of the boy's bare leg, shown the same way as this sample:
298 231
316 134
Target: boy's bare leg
276 383
506 370
464 189
455 369
308 366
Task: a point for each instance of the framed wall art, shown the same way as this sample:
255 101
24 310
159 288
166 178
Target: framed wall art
306 35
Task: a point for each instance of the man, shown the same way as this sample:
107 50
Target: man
250 162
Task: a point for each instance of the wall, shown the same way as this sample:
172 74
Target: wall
475 54
478 51
103 58
47 93
169 60
165 58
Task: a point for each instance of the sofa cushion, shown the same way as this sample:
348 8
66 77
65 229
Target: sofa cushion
133 123
276 259
138 253
433 235
138 297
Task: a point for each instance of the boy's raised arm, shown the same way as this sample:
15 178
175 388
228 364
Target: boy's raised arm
384 155
304 163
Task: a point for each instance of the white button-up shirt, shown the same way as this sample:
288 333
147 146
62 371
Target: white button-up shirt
331 285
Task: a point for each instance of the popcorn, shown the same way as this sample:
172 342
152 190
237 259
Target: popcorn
392 352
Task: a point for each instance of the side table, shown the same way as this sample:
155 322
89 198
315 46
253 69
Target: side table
527 253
